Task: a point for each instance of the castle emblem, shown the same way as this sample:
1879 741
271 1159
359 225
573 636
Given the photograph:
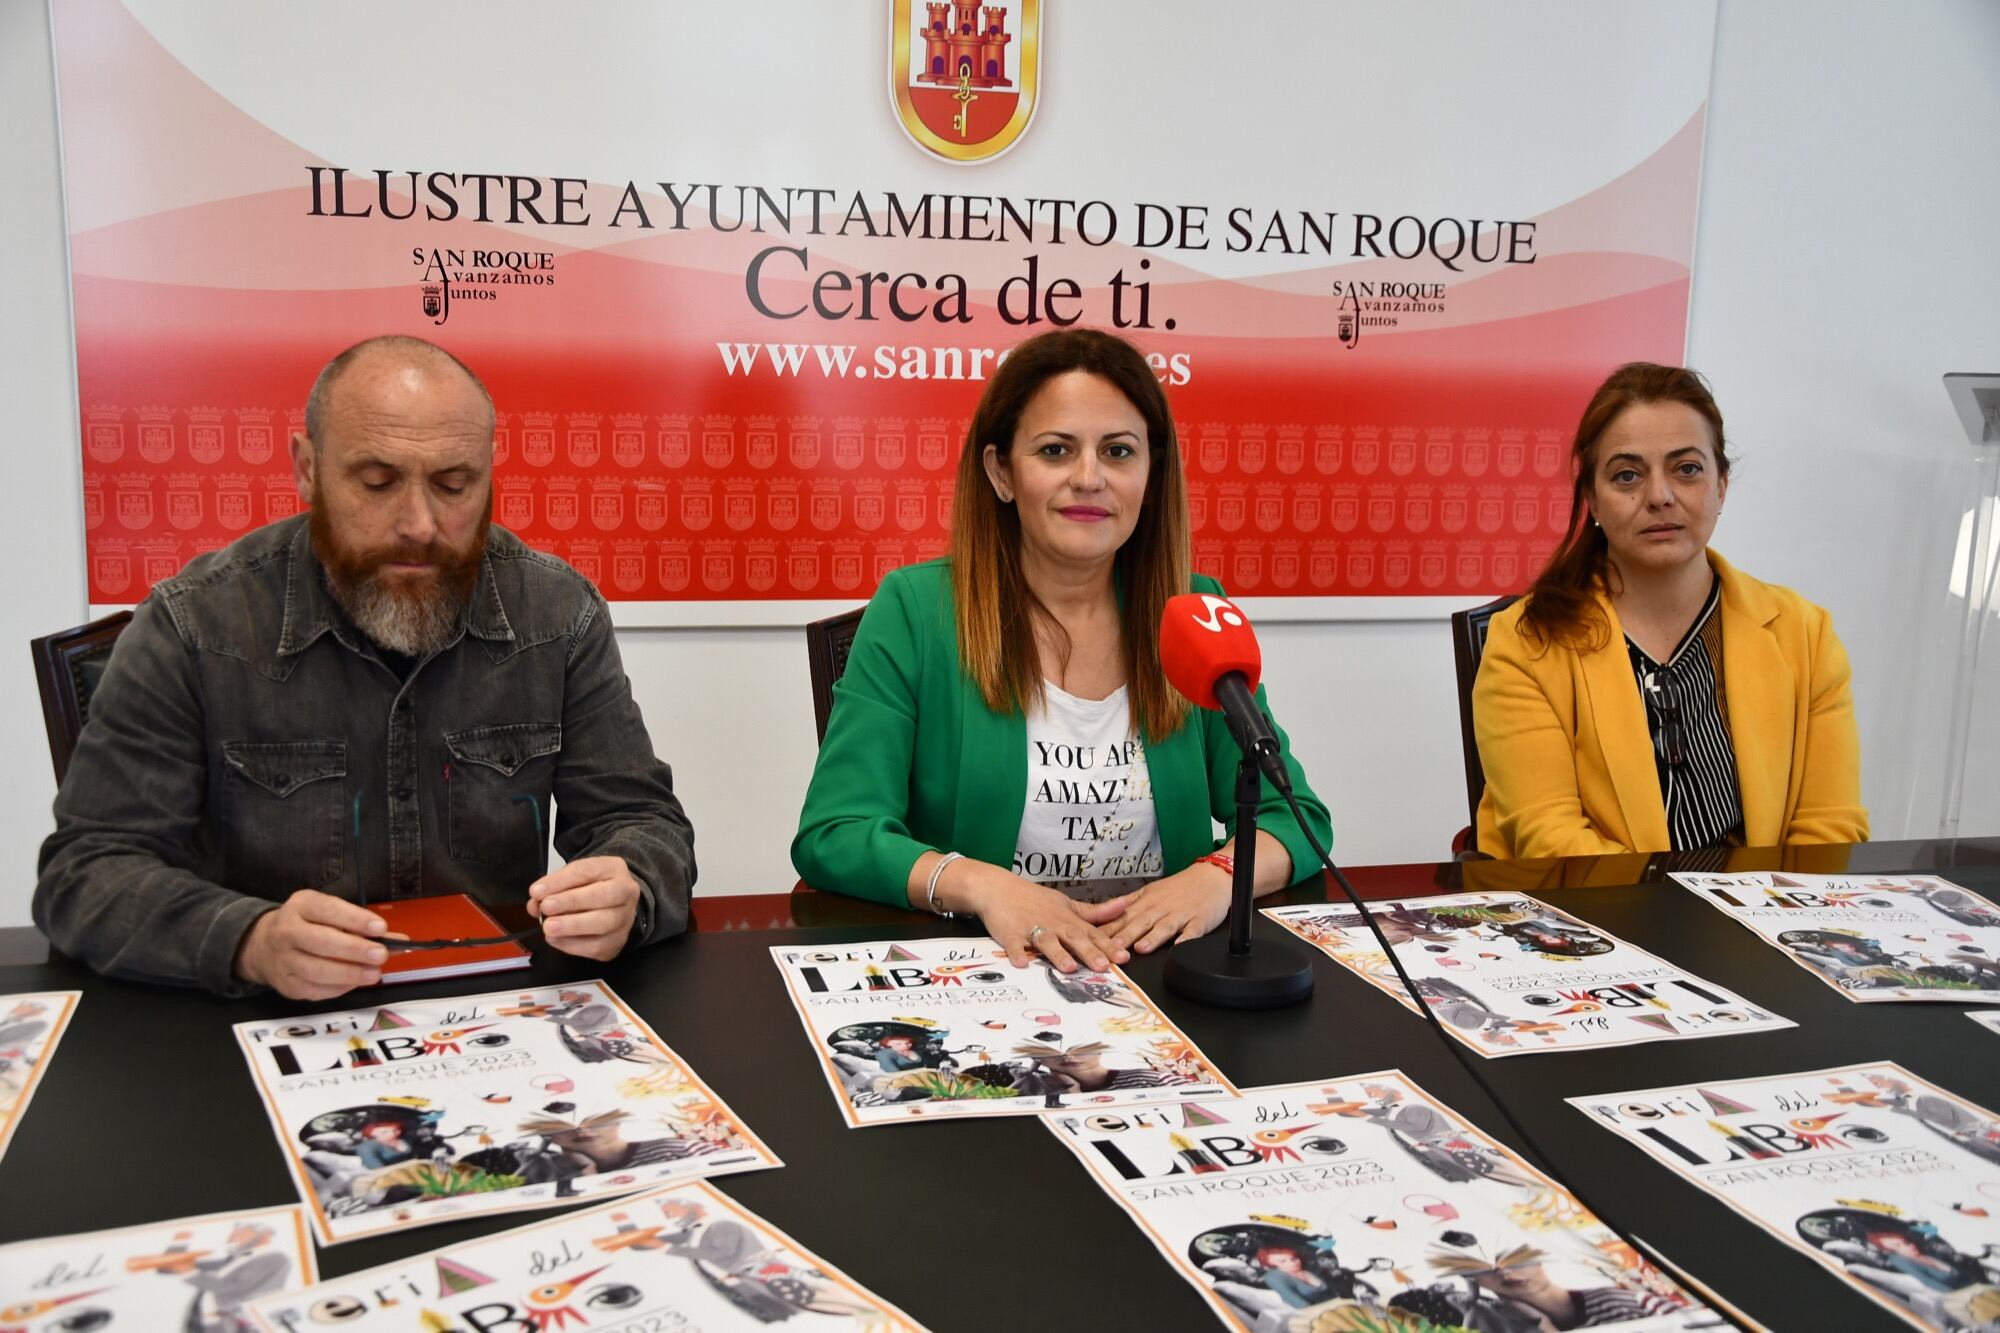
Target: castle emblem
963 76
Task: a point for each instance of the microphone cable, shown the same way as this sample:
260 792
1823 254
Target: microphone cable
1539 1155
1233 656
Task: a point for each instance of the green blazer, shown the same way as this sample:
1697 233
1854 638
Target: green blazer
914 761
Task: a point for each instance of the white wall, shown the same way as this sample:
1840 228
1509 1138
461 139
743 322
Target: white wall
41 479
1847 258
1848 255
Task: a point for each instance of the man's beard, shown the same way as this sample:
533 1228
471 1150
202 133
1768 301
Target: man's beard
412 616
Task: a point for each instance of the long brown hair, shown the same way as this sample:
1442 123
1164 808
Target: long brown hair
997 611
1561 606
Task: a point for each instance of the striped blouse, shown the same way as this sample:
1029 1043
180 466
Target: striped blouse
1687 712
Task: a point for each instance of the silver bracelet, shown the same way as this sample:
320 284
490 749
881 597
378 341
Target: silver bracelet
930 889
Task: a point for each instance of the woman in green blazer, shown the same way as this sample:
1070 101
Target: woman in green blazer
1003 741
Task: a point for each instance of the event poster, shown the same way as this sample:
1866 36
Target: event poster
1889 1182
197 1274
416 1112
737 279
1365 1204
1871 937
683 1258
1510 975
910 1029
30 1027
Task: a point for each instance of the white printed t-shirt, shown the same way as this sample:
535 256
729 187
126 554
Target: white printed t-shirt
1089 828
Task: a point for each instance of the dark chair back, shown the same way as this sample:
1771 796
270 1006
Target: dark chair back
68 665
827 644
1468 644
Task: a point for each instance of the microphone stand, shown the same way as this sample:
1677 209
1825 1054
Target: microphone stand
1223 970
1243 881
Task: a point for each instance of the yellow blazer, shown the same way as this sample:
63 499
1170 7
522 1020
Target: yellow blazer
1569 760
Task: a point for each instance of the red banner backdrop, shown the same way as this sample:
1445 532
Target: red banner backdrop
1372 427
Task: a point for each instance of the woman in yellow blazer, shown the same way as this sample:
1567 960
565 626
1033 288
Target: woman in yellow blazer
1646 695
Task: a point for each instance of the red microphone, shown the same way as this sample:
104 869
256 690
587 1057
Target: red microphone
1202 637
1210 654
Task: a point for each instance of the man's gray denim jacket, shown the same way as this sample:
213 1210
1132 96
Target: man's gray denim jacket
247 741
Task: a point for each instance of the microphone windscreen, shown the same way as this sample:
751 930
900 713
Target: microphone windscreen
1202 639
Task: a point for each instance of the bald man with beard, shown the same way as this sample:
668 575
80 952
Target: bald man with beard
380 698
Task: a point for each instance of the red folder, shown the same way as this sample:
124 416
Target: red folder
448 916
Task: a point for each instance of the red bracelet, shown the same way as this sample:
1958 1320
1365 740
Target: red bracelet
1223 859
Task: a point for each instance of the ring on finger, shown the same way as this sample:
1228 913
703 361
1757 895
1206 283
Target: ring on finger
1035 935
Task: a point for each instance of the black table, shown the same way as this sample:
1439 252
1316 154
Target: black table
147 1112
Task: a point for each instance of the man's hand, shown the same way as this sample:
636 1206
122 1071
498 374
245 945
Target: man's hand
587 907
313 947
